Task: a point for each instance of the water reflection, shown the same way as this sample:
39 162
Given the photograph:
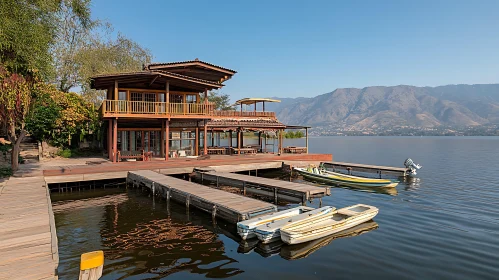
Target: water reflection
139 240
304 250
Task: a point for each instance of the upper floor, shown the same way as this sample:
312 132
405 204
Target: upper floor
170 90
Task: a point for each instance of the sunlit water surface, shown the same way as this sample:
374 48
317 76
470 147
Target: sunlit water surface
444 226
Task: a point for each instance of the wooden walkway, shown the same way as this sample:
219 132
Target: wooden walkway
398 171
274 188
28 243
228 206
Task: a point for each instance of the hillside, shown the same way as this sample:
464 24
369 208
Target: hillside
381 107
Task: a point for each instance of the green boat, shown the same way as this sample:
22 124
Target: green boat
339 179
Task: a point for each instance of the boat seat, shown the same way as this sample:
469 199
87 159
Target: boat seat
355 210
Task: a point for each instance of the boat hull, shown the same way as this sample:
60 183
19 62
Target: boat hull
271 231
343 219
345 180
246 229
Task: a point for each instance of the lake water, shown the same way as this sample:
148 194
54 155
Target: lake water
443 226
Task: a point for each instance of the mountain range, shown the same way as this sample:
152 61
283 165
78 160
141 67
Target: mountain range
379 107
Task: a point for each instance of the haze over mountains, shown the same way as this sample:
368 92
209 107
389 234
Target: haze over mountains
380 107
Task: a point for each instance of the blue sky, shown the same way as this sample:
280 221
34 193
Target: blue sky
306 48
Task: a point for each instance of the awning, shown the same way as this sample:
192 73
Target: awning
249 101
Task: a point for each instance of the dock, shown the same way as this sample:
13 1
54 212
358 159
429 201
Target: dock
107 171
28 241
380 170
277 189
228 206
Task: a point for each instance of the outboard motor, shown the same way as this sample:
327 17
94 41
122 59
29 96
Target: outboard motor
412 166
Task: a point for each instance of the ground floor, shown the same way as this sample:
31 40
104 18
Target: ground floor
166 138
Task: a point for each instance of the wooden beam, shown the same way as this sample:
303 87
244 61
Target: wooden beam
110 140
115 139
230 138
153 80
167 138
196 141
161 137
306 139
115 90
205 138
167 97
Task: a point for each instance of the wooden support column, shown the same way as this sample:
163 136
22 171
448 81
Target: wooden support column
205 138
238 142
197 139
230 138
115 139
279 144
306 140
167 97
260 140
212 138
161 138
242 139
167 138
110 140
115 90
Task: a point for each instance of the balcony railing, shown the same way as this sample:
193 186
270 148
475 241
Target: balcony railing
254 114
124 107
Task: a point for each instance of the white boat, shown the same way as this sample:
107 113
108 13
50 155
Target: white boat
272 231
246 229
342 219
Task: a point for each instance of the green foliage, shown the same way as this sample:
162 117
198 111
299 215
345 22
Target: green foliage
5 172
65 153
59 116
222 101
291 134
106 55
28 30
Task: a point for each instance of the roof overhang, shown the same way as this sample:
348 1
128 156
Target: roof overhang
249 101
149 79
194 68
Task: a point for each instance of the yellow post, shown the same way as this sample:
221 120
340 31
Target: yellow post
91 265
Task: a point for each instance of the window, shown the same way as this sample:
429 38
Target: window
191 98
135 96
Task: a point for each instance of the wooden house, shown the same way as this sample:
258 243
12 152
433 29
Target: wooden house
162 112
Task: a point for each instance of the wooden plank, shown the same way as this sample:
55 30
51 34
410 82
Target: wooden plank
230 206
27 236
290 188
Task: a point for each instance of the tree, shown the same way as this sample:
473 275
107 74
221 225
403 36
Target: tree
222 101
15 99
58 116
102 56
27 31
74 29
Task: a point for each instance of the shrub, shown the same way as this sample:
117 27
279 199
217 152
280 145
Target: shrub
66 153
5 172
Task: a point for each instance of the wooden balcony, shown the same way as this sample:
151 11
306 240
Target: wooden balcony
124 108
243 114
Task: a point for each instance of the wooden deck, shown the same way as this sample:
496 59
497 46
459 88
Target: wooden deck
275 188
28 243
228 206
107 170
398 171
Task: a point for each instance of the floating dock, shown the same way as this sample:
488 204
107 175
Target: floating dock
288 191
228 206
28 242
349 167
